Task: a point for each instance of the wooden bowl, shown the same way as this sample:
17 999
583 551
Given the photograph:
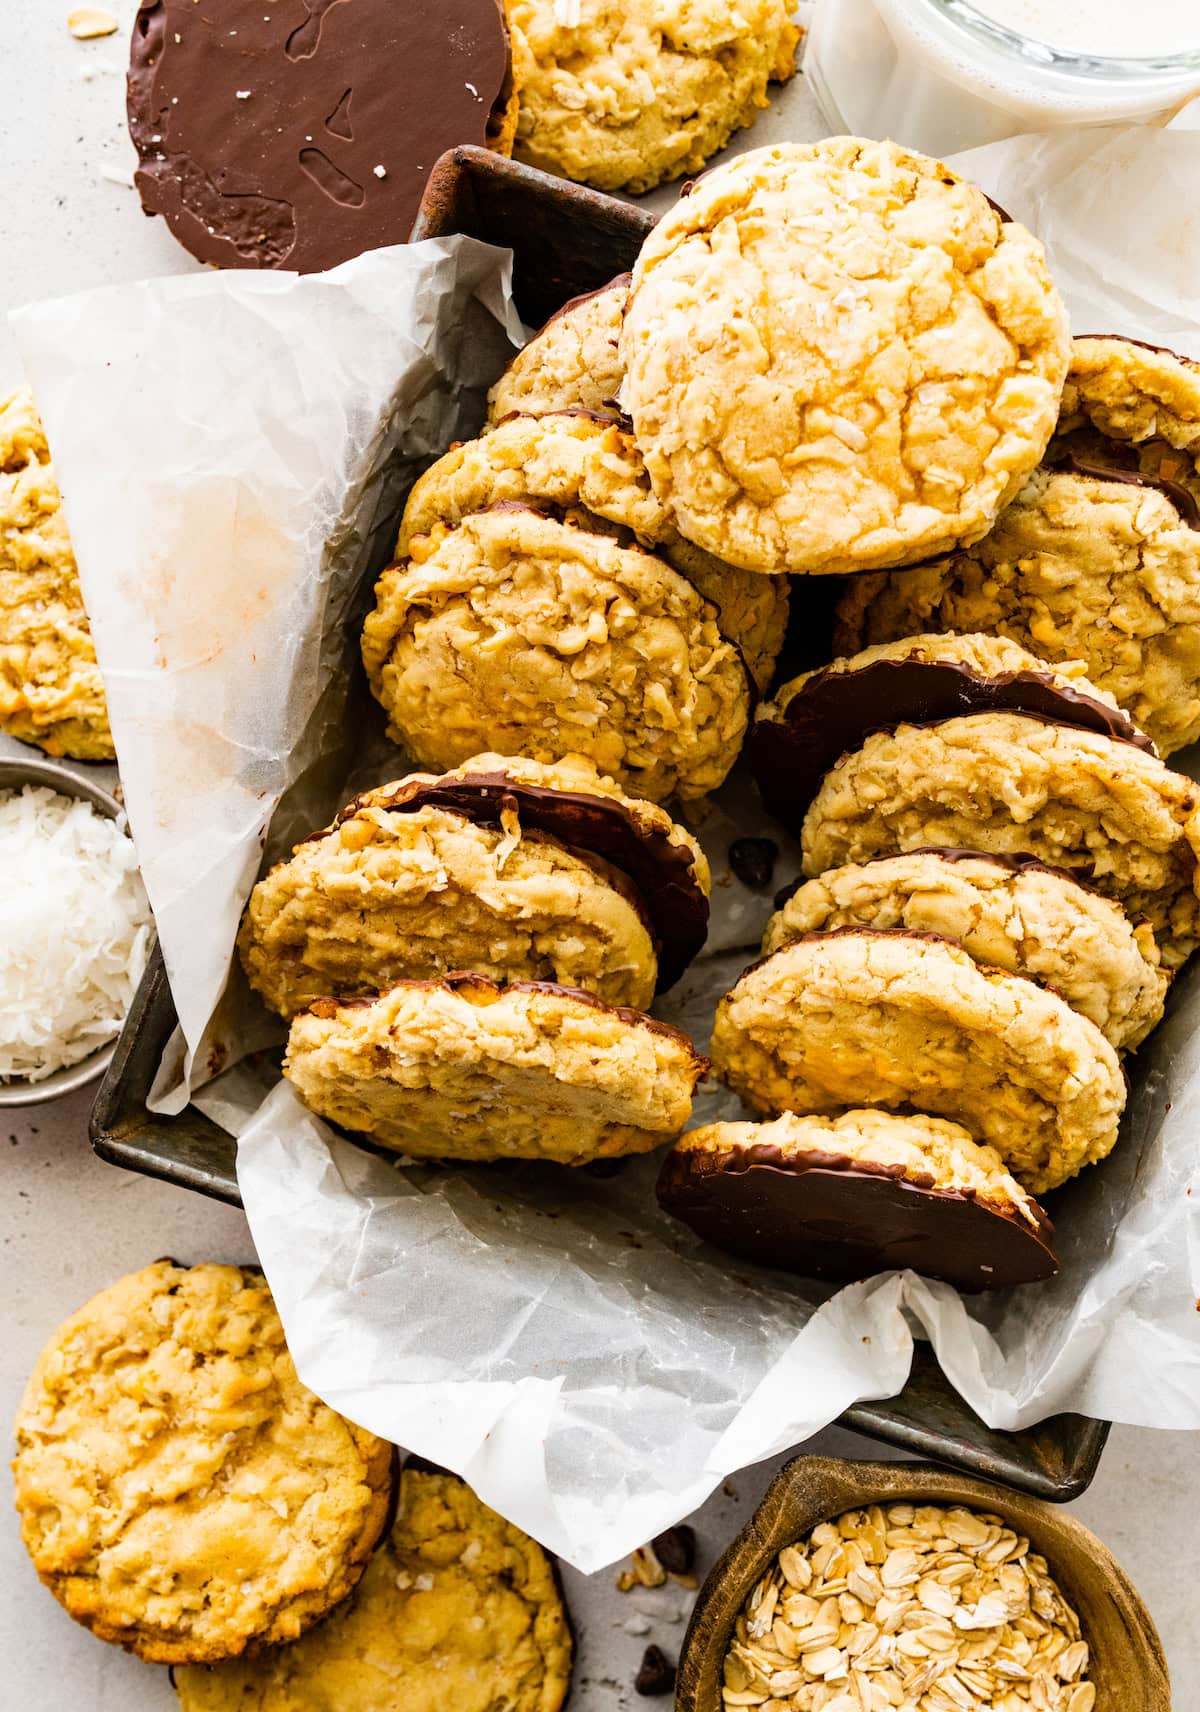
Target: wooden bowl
1127 1663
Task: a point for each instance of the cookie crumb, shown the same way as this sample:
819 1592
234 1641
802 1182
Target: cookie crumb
644 1571
656 1673
87 22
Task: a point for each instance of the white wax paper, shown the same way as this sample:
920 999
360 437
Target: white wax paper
591 1368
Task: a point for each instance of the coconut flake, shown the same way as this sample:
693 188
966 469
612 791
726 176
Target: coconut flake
74 931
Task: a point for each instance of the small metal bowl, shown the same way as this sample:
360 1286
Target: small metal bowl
56 776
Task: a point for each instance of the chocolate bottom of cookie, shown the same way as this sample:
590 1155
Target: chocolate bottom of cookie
822 1216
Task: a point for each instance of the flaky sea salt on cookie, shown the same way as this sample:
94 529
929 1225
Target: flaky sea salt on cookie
465 1069
814 718
459 1611
861 1193
908 1020
518 633
181 1492
589 467
572 363
838 357
1113 816
1010 912
1097 558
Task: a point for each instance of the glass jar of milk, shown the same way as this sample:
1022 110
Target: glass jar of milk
941 75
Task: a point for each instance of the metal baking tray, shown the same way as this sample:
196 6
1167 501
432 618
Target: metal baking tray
565 241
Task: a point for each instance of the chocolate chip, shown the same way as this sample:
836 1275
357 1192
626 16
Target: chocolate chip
676 1549
753 861
656 1673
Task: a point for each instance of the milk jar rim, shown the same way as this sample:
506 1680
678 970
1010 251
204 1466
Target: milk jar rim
991 32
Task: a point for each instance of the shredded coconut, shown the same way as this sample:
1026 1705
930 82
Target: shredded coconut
74 931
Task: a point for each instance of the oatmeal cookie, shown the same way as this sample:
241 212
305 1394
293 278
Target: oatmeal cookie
465 1069
590 468
624 97
1114 817
861 1193
51 692
839 357
799 734
511 868
897 1019
1097 558
181 1492
458 1611
573 363
518 633
1009 912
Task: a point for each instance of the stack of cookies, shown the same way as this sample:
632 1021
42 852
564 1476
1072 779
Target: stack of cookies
185 1496
842 359
465 960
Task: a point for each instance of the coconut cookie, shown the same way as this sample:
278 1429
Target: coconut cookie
464 1069
858 1194
458 1609
623 98
1009 912
590 467
517 633
899 1019
51 692
1099 555
1110 814
799 734
573 363
839 357
181 1492
511 868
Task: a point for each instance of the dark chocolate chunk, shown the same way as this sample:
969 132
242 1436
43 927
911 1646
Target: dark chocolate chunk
660 869
753 861
837 710
826 1216
300 133
676 1549
656 1673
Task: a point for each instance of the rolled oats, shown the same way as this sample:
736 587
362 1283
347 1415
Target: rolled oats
908 1609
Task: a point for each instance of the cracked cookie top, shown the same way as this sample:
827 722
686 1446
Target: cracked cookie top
838 357
181 1492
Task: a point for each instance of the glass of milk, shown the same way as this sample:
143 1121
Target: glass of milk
941 75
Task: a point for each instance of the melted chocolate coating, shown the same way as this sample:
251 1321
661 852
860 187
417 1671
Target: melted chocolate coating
1105 459
835 712
826 1216
260 128
661 870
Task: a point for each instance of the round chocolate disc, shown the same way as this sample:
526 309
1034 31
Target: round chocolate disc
299 133
825 1216
660 869
836 711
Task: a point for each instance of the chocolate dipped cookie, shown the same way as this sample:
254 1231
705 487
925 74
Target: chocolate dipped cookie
571 363
867 1191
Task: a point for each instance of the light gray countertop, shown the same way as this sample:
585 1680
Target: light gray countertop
71 1225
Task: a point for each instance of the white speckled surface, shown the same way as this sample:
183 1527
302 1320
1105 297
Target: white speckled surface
69 1225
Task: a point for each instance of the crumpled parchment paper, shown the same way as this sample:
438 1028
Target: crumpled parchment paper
593 1370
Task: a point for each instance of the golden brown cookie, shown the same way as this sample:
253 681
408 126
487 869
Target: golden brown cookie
625 97
905 1020
572 363
799 734
1009 912
464 1069
458 1611
181 1492
838 356
590 468
51 692
1114 817
509 867
1098 557
516 633
861 1193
